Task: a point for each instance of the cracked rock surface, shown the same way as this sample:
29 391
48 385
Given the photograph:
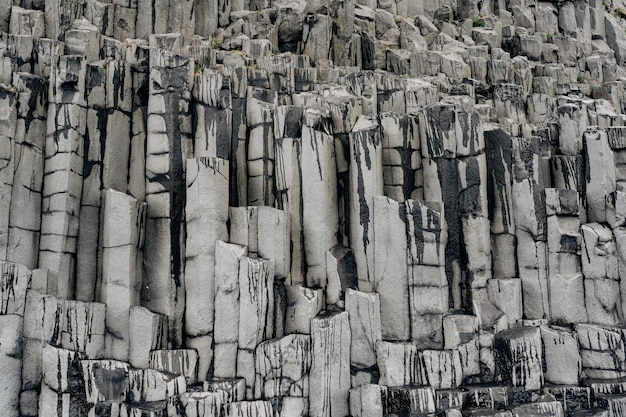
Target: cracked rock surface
323 208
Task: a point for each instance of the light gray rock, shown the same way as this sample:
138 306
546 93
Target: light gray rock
123 220
399 364
368 400
256 305
150 385
147 332
11 332
227 266
366 181
601 179
249 409
63 171
442 368
329 378
206 216
562 359
28 162
303 304
365 327
390 271
179 362
282 367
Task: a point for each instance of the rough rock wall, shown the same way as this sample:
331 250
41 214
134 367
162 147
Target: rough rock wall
319 208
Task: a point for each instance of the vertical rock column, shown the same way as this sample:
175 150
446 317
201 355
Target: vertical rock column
600 173
402 166
168 143
530 220
390 268
8 120
505 278
473 203
600 268
288 184
212 121
441 184
207 214
107 146
428 287
566 287
63 171
138 56
260 120
59 16
330 366
366 181
256 312
320 214
14 281
123 219
165 16
365 327
343 50
238 148
30 133
227 261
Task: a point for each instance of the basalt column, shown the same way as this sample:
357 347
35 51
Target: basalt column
168 144
441 184
107 146
530 220
566 287
63 171
402 161
260 119
428 291
207 213
288 188
320 221
28 154
212 121
8 106
366 181
121 253
473 204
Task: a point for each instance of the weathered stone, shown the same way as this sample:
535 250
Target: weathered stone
368 400
11 362
179 362
562 360
398 364
207 213
63 171
365 327
121 249
150 385
303 304
390 270
167 147
329 378
147 332
366 181
256 312
282 367
518 352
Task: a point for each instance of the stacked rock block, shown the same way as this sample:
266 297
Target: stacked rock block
312 208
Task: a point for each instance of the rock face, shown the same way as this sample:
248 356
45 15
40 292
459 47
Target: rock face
324 208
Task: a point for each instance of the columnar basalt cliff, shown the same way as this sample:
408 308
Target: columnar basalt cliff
324 208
